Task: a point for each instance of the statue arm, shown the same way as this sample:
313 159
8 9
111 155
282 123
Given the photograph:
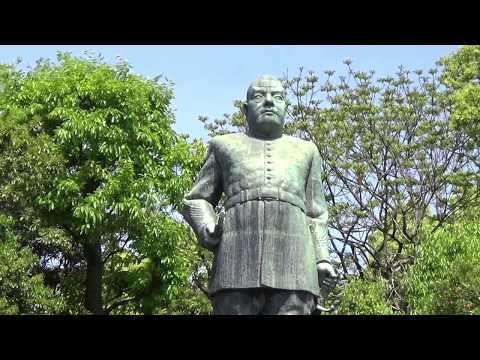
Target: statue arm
316 206
199 204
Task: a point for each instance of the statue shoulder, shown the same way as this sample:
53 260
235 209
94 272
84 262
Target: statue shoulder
222 141
308 146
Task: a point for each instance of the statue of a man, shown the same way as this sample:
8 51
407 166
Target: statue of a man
271 247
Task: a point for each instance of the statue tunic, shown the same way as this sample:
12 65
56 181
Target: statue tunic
275 228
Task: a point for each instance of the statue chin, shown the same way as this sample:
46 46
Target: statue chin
267 128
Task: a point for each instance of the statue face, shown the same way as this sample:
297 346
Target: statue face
265 107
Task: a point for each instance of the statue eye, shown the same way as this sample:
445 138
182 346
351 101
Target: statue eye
257 96
278 97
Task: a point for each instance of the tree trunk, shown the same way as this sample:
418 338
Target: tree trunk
93 293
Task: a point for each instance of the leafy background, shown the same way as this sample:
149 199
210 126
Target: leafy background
92 174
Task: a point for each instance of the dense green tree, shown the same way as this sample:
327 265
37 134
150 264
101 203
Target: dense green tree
445 277
442 280
92 173
22 287
367 295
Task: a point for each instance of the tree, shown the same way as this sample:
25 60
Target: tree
368 295
461 74
444 278
22 288
92 173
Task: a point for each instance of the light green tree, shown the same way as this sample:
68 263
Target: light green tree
461 74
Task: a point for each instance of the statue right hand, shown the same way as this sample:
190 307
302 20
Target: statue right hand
210 236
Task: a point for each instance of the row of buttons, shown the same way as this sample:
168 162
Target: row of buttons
268 146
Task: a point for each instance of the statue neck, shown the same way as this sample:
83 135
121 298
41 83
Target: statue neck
266 135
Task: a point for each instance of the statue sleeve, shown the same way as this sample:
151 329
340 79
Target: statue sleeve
199 204
316 209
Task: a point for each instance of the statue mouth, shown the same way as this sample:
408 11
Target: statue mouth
269 112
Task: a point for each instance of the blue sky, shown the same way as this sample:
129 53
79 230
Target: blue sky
207 79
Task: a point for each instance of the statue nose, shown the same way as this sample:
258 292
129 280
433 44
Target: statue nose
268 99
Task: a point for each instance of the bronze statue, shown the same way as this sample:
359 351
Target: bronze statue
271 246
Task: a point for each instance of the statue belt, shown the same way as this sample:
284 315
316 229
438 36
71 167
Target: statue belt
264 194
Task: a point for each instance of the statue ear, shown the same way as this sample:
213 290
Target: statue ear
244 108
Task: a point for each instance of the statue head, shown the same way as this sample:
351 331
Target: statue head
265 107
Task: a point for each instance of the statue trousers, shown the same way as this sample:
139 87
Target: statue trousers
263 301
